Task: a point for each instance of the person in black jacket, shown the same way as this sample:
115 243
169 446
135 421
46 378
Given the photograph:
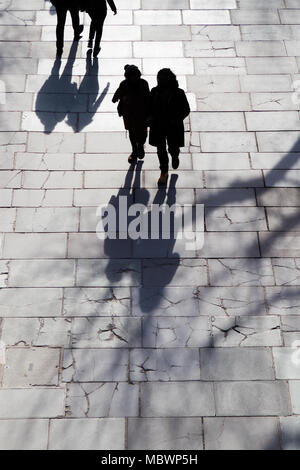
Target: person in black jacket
168 108
62 7
133 95
97 10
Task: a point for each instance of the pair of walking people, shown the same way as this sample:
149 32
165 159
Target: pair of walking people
96 9
163 110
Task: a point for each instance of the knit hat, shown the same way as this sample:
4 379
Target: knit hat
131 70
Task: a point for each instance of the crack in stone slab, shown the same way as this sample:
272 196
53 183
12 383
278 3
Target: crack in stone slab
110 328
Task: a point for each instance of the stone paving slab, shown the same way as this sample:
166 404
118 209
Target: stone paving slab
12 434
241 433
252 398
290 432
87 434
121 344
40 403
165 433
168 399
228 364
31 367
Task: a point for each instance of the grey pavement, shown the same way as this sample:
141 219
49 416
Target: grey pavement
147 344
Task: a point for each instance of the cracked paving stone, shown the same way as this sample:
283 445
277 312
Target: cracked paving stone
36 332
107 273
97 400
96 302
95 365
283 300
4 266
168 301
161 332
235 219
287 271
106 332
290 323
170 272
231 301
246 331
166 365
241 272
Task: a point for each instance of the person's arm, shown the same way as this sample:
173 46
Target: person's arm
112 6
184 106
116 96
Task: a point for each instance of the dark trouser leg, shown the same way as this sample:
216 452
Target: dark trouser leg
141 141
92 31
173 148
142 136
99 30
61 20
75 19
163 156
174 151
133 141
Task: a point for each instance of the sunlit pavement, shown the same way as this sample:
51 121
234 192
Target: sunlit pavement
149 344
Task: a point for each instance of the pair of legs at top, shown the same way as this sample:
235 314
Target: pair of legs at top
96 30
60 28
98 14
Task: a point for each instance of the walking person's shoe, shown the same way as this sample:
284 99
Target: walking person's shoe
175 157
140 151
132 158
162 180
77 34
175 163
96 51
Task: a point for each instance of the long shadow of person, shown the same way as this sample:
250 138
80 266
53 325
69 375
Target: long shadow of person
57 97
152 246
90 86
158 254
122 243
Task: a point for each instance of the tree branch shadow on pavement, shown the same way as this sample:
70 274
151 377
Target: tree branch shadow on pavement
132 183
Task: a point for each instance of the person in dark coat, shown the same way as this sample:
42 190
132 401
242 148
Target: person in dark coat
62 7
97 10
168 108
133 95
